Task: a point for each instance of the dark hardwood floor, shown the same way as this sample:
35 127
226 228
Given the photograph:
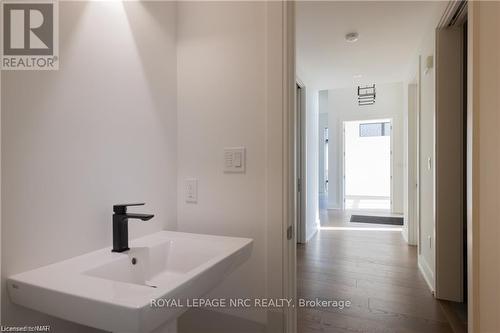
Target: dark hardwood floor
375 270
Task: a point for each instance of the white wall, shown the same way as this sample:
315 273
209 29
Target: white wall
107 128
410 227
343 106
312 195
99 131
222 103
322 124
425 113
311 154
426 84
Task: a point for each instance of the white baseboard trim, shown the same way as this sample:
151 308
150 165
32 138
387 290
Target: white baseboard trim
314 232
427 273
404 233
410 241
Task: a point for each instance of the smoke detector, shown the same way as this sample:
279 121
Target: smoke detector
352 37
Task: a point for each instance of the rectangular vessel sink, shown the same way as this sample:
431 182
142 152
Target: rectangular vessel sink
113 291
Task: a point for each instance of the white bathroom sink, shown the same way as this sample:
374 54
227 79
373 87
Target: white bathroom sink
115 291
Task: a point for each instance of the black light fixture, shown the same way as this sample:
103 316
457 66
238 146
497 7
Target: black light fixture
366 95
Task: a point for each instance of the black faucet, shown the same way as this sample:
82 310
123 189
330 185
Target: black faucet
120 225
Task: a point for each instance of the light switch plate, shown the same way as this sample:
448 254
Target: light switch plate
191 186
234 160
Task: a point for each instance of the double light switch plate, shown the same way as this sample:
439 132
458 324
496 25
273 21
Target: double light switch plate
234 160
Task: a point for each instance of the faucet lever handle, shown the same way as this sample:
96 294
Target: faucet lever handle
122 208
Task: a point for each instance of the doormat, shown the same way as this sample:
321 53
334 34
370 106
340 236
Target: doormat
392 220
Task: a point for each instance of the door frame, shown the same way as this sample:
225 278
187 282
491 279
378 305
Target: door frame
300 159
473 108
288 221
412 162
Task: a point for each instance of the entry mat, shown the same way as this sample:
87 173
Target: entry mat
392 220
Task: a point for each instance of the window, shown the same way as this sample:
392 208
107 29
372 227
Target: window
375 129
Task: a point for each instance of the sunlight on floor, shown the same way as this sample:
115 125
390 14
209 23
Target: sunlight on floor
361 229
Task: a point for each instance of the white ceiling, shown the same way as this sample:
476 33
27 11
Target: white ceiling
389 36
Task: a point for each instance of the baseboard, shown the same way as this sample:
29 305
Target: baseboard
404 233
427 273
410 241
314 232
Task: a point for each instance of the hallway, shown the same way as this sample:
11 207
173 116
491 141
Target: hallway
375 270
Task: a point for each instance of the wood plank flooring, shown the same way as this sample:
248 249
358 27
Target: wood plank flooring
375 270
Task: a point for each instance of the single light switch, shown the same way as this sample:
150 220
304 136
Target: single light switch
234 159
191 185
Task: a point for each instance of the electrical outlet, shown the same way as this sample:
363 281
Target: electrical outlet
191 185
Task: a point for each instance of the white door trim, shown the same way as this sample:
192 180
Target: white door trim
301 174
289 184
412 164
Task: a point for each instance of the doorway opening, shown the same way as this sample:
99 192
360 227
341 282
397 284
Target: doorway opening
389 156
367 165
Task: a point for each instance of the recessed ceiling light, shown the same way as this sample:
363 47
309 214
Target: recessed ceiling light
352 37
